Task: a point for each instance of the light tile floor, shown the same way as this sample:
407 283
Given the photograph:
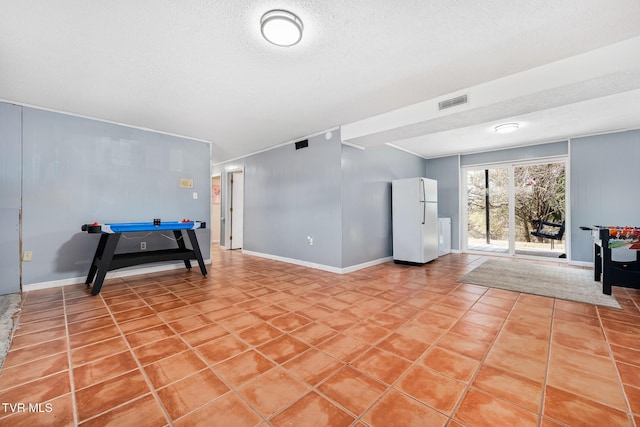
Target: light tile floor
259 342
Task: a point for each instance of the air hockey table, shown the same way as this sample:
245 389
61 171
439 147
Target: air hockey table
105 258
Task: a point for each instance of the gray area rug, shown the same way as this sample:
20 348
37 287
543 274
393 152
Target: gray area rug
555 282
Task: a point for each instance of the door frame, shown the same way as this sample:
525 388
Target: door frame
226 216
511 165
217 223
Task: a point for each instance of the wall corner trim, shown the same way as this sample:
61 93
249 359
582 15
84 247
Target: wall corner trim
323 267
357 267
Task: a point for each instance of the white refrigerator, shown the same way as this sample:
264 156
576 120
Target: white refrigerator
414 209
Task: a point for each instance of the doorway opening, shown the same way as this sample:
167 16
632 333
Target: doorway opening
516 209
216 214
235 210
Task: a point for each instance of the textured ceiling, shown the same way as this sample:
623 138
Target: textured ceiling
200 68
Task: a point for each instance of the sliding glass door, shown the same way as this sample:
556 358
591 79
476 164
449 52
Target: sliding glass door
515 209
488 209
540 209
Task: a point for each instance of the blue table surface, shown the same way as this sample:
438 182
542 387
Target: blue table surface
119 227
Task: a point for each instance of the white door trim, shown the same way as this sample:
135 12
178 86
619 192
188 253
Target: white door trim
226 217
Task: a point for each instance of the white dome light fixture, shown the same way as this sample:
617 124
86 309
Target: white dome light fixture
281 28
507 128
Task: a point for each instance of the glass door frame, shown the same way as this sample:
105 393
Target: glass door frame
511 165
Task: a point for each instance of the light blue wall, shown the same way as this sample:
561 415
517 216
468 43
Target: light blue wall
11 158
446 171
338 195
10 189
290 194
78 171
366 199
605 177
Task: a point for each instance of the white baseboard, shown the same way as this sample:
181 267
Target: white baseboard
323 267
580 263
357 267
453 251
110 275
53 284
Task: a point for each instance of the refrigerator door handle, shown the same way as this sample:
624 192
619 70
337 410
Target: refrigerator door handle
424 202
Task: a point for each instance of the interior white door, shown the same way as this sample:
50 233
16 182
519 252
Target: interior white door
236 211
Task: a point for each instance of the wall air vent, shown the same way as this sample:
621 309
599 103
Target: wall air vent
302 144
453 102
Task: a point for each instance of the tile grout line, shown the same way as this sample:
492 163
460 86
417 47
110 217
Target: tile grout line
389 387
615 365
251 347
310 388
208 366
67 351
314 388
69 360
415 363
140 368
484 358
611 358
548 366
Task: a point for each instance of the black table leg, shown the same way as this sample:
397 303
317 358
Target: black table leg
180 241
105 259
94 264
196 249
606 268
597 262
104 262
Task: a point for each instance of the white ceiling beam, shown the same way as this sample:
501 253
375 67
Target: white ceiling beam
571 74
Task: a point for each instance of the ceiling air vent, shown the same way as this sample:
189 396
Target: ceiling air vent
448 103
302 144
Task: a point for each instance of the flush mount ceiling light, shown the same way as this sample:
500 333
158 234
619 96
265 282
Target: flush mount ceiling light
507 127
281 28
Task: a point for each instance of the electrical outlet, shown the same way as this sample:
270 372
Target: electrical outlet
310 240
143 246
26 257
